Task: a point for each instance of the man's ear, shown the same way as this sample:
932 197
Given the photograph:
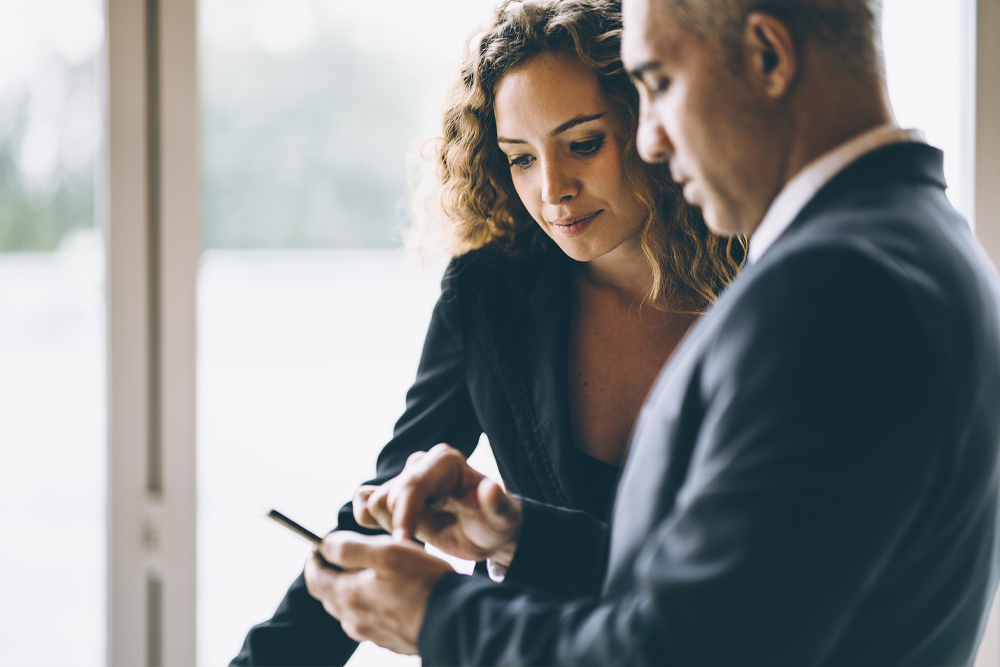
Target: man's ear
772 58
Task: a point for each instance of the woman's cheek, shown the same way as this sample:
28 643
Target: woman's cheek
528 195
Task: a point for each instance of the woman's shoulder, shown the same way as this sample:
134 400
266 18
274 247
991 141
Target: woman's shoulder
490 268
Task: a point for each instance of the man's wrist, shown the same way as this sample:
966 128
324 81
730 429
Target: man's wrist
505 554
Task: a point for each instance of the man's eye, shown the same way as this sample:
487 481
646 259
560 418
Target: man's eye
654 86
588 147
659 86
521 161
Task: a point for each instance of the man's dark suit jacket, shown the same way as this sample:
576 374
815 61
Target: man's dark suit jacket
814 476
494 361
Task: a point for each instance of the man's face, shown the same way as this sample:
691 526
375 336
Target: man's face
721 142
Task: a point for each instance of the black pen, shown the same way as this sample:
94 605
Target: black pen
303 532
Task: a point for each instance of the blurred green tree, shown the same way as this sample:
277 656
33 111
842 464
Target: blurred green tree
34 216
306 149
300 150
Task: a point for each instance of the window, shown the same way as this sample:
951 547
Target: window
310 111
311 321
53 456
929 54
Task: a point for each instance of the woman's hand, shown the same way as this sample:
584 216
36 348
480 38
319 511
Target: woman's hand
360 507
440 499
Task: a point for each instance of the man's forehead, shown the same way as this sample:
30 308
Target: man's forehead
648 33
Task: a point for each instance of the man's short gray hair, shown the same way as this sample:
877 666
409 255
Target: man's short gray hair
850 29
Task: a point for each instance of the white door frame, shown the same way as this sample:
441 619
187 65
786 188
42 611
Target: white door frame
150 209
149 204
986 196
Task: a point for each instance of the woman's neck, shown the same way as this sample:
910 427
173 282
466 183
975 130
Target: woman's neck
624 270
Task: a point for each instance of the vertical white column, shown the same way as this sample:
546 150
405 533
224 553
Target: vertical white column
987 124
180 250
151 208
986 196
126 235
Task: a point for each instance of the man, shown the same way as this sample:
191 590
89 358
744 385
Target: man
814 476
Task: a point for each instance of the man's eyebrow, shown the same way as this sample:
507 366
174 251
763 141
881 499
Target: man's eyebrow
639 71
559 130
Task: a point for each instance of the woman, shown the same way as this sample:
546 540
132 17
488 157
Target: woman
577 269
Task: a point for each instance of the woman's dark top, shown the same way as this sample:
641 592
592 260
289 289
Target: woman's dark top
495 361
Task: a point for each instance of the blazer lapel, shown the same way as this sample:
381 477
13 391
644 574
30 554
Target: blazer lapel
527 319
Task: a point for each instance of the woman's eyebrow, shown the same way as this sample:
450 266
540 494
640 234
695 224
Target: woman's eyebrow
559 130
573 123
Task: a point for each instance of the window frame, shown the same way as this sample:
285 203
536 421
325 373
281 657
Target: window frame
149 205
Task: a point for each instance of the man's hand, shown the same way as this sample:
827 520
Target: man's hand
382 595
440 499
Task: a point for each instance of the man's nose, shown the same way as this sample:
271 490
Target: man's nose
557 184
652 141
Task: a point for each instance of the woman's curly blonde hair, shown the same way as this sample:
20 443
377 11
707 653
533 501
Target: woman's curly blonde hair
479 205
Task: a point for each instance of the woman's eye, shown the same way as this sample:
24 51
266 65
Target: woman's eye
521 161
660 85
588 147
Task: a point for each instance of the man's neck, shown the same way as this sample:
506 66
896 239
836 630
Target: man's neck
830 112
807 182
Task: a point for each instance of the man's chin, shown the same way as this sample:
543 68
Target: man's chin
719 223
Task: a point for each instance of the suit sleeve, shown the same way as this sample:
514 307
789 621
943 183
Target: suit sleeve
816 413
438 409
559 551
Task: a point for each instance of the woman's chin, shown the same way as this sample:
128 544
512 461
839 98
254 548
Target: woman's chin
581 252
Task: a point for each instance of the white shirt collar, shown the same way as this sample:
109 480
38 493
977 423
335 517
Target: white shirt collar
803 187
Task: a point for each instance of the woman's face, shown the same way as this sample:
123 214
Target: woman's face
566 151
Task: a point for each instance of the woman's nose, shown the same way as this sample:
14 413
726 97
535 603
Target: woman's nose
557 184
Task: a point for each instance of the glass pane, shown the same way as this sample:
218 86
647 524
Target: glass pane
310 324
52 342
924 44
309 329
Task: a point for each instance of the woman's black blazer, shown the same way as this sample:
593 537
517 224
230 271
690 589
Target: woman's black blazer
494 361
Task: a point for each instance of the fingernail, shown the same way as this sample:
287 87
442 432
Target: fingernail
398 535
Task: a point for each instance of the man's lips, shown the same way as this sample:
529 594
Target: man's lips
575 225
682 179
677 174
687 189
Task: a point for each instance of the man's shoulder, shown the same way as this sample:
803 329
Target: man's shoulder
876 274
890 206
846 266
886 218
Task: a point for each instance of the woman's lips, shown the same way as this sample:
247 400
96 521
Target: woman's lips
571 227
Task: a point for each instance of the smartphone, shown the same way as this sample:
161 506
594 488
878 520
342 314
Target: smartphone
303 532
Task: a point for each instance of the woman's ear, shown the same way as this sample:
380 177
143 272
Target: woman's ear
772 60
